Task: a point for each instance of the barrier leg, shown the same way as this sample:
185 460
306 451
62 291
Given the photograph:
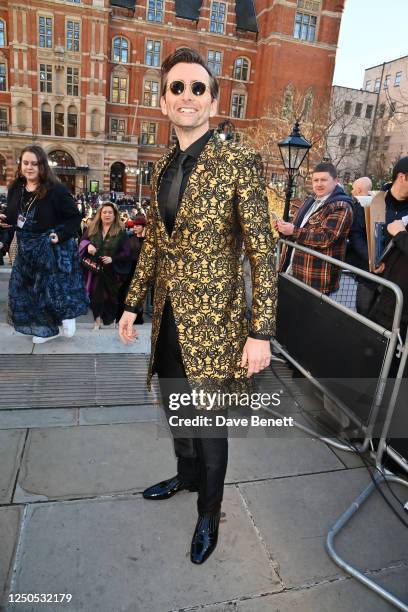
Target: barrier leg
338 526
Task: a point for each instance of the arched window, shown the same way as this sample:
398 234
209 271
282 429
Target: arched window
2 33
62 159
72 122
117 177
241 69
46 119
287 106
59 120
120 50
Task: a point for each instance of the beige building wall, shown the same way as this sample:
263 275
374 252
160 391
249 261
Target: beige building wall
351 119
390 138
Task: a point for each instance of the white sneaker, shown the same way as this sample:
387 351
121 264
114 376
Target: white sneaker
40 340
69 327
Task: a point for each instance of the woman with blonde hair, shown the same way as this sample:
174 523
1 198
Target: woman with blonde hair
105 254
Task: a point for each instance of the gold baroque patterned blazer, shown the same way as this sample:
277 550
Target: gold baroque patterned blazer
200 265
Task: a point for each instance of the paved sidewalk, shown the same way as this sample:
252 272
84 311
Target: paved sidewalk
73 520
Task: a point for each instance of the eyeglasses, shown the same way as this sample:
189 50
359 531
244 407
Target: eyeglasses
197 88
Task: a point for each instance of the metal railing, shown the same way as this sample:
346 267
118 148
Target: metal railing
382 475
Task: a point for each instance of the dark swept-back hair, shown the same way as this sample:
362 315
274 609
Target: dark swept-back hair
46 178
326 167
186 55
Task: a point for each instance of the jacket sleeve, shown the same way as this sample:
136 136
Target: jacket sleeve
146 265
401 241
252 208
335 225
358 234
69 217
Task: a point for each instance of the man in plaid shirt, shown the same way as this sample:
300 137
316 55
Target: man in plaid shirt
322 223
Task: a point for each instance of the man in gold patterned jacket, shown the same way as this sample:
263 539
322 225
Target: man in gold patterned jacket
208 198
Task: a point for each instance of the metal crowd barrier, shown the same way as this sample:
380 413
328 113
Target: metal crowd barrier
384 448
294 295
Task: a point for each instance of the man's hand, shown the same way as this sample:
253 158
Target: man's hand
256 355
127 333
106 260
285 228
380 268
395 227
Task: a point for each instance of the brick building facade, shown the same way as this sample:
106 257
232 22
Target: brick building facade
81 77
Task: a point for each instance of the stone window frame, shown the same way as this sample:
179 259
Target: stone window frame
148 132
45 15
4 32
217 22
151 79
4 122
118 132
398 78
212 63
4 62
152 52
239 92
121 38
73 20
72 83
241 57
119 73
48 105
310 8
155 10
46 81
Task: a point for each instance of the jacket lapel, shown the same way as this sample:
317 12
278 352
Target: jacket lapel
159 168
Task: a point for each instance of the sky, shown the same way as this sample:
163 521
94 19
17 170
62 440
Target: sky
372 31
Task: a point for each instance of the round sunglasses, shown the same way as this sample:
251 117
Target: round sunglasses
197 88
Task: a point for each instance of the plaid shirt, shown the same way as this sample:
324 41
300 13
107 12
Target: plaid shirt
325 231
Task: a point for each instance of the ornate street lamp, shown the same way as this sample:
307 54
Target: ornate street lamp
293 150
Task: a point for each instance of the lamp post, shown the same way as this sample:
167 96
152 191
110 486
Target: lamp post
140 171
293 150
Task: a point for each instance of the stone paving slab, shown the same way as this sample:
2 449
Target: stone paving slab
9 528
119 414
39 417
67 462
105 340
13 343
132 555
342 595
294 516
11 445
251 459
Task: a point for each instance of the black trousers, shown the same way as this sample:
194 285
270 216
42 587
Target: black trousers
201 461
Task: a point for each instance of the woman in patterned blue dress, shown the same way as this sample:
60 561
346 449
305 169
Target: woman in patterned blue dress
46 287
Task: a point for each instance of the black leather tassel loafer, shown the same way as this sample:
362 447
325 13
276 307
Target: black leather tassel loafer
166 489
205 538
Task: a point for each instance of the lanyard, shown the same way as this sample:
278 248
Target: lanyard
28 206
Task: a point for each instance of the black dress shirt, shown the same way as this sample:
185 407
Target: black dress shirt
192 153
